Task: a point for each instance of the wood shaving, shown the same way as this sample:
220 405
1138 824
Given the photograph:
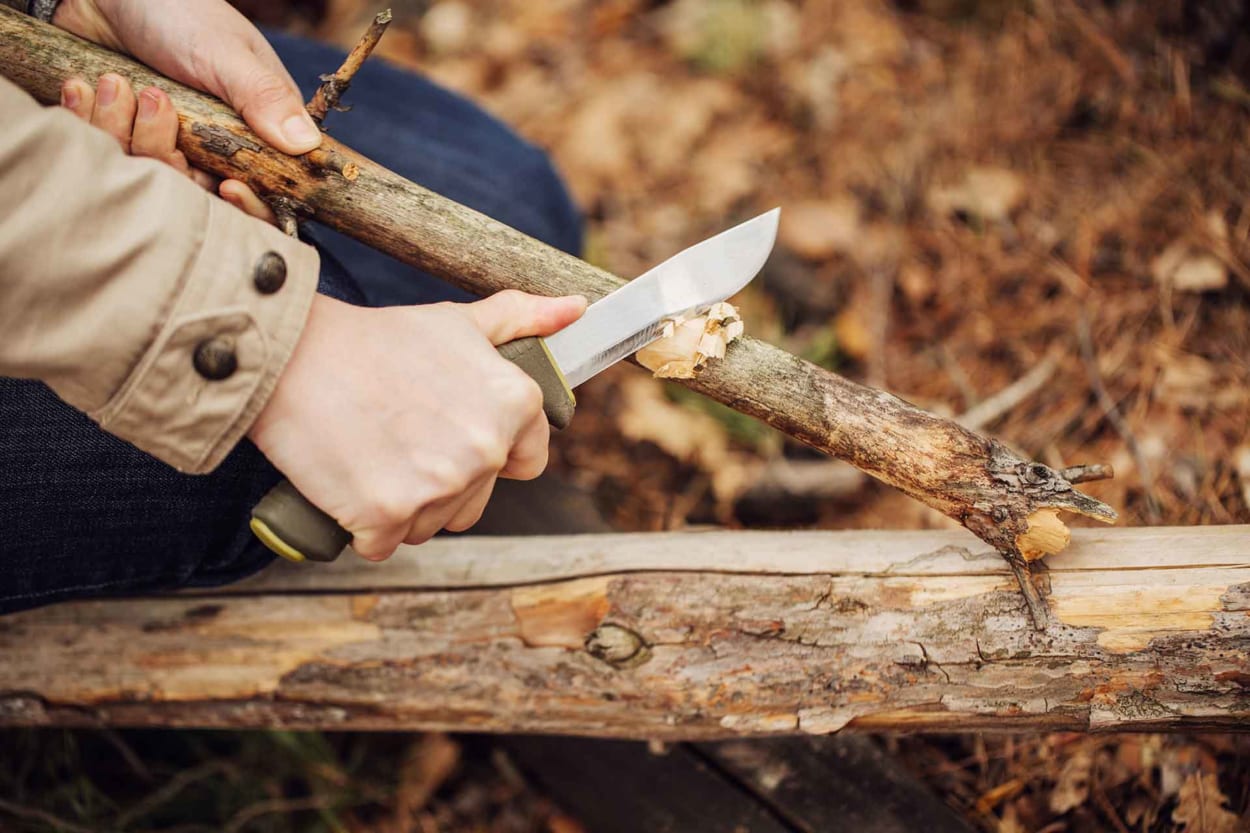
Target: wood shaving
688 343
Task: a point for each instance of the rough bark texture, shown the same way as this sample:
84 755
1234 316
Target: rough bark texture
973 479
335 85
694 635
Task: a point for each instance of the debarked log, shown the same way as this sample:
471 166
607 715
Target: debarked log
1005 500
676 635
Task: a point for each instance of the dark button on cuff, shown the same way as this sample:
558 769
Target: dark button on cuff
214 358
270 273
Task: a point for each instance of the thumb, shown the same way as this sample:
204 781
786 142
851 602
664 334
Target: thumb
255 83
511 314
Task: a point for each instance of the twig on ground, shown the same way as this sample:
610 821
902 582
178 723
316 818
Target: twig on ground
169 789
35 814
241 819
988 410
333 86
1088 473
1112 412
129 755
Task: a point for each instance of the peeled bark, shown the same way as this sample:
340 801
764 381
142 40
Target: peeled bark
676 635
971 478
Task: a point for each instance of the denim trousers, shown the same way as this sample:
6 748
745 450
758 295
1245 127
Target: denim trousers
83 514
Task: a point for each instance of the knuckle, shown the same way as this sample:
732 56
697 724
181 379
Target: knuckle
465 522
447 479
388 508
489 448
371 547
520 392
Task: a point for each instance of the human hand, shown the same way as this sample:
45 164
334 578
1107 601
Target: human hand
208 45
148 126
397 421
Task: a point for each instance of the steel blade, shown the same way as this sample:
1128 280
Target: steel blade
630 318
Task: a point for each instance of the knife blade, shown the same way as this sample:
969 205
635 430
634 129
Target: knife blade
612 328
625 321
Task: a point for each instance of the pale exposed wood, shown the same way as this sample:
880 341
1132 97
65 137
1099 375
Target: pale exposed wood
758 633
973 479
470 561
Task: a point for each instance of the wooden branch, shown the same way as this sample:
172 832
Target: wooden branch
333 86
973 479
676 635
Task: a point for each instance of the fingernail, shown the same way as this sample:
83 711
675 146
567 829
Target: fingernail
70 95
300 131
106 93
149 103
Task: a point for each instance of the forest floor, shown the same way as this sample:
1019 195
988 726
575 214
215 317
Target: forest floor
1035 215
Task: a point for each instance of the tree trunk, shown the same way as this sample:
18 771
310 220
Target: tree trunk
973 479
675 635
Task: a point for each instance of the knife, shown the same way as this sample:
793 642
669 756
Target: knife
612 328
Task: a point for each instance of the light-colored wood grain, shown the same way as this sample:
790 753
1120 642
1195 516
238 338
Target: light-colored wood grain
692 635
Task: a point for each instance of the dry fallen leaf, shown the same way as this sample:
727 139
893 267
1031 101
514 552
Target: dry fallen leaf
1188 269
687 435
1200 807
988 194
820 229
1072 788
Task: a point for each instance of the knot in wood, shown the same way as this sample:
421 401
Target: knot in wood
617 645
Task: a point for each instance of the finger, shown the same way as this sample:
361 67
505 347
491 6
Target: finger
434 517
155 132
244 198
470 511
377 544
114 111
178 160
528 456
250 76
78 97
205 180
510 314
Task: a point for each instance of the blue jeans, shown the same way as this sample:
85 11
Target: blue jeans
84 514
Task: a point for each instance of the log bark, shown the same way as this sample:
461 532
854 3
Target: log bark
676 635
971 478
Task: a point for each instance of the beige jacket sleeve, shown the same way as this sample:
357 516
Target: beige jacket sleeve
161 311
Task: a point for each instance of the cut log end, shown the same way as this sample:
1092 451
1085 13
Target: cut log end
1046 535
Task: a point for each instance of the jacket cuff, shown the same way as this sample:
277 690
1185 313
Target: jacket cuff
220 351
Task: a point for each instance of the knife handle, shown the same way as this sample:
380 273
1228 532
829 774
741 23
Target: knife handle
287 523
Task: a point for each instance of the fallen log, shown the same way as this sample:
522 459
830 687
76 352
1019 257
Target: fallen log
1005 500
675 635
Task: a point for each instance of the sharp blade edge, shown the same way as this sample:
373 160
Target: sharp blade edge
689 281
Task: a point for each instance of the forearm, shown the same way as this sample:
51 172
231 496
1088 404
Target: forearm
162 312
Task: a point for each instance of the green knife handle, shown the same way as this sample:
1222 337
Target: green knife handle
531 355
287 523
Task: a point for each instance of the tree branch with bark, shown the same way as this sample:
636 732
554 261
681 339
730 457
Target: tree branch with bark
1007 501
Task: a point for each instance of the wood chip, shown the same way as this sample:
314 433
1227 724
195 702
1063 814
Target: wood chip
687 344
